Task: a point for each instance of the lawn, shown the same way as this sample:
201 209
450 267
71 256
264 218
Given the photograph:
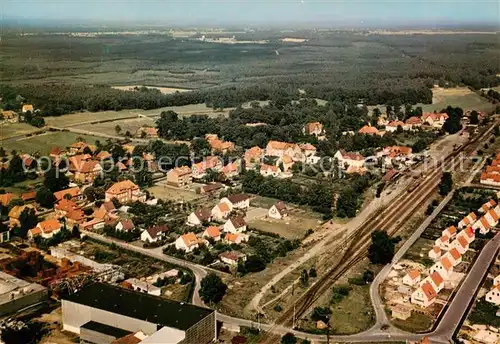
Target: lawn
169 193
12 129
86 117
44 142
292 227
416 323
22 187
108 128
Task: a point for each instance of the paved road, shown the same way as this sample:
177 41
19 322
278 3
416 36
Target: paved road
199 271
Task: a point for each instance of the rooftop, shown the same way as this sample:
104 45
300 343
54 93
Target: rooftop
141 306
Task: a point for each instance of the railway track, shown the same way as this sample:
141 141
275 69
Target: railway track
389 219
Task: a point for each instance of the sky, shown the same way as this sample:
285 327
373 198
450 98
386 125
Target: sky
245 12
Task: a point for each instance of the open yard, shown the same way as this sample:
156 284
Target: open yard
162 191
13 129
88 117
291 227
44 142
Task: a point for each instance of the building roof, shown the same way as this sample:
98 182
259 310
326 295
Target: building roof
444 238
351 155
127 224
47 226
395 124
437 278
272 168
59 195
436 249
154 231
455 254
462 241
445 262
281 207
66 205
307 147
413 273
189 239
237 198
142 306
212 187
254 152
469 231
128 339
493 214
413 120
231 237
232 255
230 168
238 221
484 222
313 126
286 159
103 155
16 211
278 145
368 129
180 171
6 198
28 196
223 207
452 229
428 291
121 187
56 150
203 214
213 231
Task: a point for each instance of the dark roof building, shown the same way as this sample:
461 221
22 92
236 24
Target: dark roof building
114 309
237 198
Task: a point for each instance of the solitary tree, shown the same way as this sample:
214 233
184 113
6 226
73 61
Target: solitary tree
446 184
45 197
289 338
381 250
212 288
118 129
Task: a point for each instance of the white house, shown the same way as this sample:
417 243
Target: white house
125 225
154 234
412 277
443 242
221 211
486 206
238 201
424 296
483 225
278 211
436 280
493 296
460 244
45 229
198 217
235 224
444 267
144 286
212 232
349 158
469 234
450 232
235 238
269 170
468 220
435 253
232 257
187 242
492 217
454 256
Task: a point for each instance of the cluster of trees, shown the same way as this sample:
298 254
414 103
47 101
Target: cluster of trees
319 195
15 171
453 124
381 251
127 236
446 184
212 289
350 197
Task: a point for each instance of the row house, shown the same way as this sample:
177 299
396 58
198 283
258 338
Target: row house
436 280
450 232
394 125
435 253
467 220
444 267
210 162
483 225
180 177
435 120
443 242
460 244
454 256
486 206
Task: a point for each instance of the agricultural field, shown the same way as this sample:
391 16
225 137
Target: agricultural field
108 128
81 118
164 90
14 129
44 142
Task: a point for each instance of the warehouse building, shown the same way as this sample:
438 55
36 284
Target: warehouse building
16 294
101 313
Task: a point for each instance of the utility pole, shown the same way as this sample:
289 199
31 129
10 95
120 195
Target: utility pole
293 321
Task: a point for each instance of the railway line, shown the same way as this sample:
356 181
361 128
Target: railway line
389 219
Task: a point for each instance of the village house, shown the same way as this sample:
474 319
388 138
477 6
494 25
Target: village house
483 225
232 258
56 153
460 244
486 206
26 108
424 296
125 191
198 217
45 229
346 159
88 172
92 225
231 170
219 146
435 120
220 211
278 211
400 311
154 234
277 148
435 253
15 214
143 287
237 201
65 206
235 238
492 217
412 277
76 161
488 178
79 147
199 170
493 296
6 198
125 225
443 242
368 130
313 128
444 267
468 220
394 125
449 232
103 155
187 242
468 234
212 232
252 157
269 170
180 177
454 256
73 193
235 224
121 166
436 280
10 116
28 197
396 153
414 122
212 188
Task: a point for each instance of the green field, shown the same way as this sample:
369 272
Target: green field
12 129
467 102
43 143
89 117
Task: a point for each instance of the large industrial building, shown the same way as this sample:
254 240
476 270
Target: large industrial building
16 294
101 313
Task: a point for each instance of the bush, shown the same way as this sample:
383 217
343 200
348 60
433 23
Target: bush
278 308
321 313
339 293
